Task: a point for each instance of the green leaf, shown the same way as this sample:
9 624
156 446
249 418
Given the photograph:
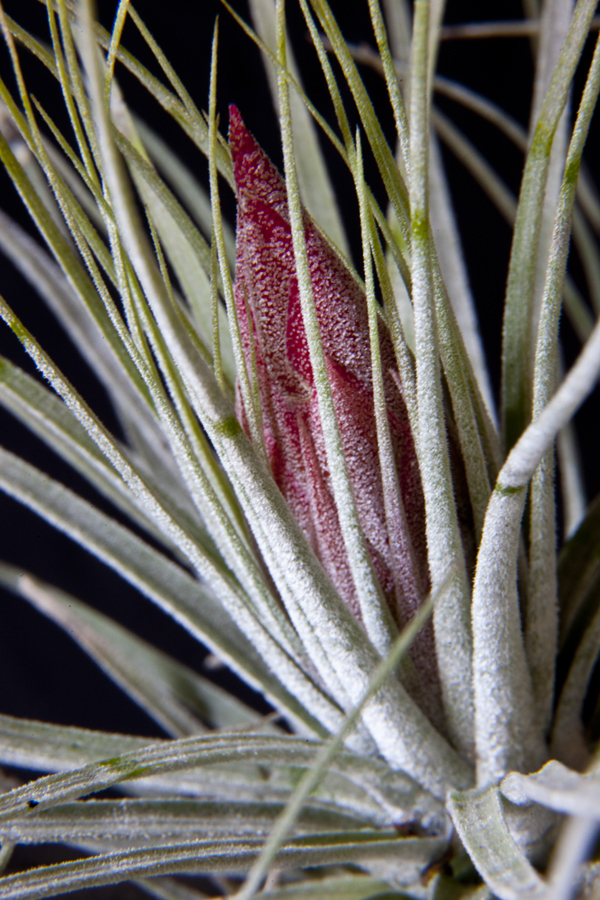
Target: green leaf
568 737
362 788
206 562
169 889
165 583
451 617
113 331
408 592
187 250
541 616
340 887
453 268
478 439
130 824
519 313
554 23
395 188
556 787
48 417
315 185
326 757
375 613
130 402
575 307
577 567
503 695
189 190
172 694
572 490
479 821
397 795
406 856
44 747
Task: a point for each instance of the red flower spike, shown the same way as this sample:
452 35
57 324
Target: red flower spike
266 287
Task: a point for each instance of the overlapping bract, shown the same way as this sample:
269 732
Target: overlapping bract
269 311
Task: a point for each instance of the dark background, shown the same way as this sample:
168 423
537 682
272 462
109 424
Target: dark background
43 675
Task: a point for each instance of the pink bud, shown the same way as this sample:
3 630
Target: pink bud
266 287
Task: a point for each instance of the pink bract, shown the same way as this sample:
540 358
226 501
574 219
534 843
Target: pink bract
268 304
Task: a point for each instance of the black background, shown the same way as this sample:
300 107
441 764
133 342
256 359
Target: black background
42 673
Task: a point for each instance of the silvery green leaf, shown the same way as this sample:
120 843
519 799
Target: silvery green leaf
31 167
399 799
519 318
186 249
557 787
572 489
327 755
404 856
53 286
568 735
454 272
541 615
169 889
43 747
451 616
48 417
188 188
398 21
567 872
367 789
554 25
575 306
130 824
504 699
167 584
178 104
479 820
276 631
395 187
587 247
337 887
479 445
315 185
175 696
577 566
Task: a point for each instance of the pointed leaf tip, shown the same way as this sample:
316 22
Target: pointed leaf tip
254 173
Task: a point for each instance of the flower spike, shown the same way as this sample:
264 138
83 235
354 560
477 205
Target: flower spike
270 320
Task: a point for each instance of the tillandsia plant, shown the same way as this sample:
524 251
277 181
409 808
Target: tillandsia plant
307 472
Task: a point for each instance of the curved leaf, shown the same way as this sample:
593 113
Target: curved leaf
315 185
577 567
519 321
175 696
404 856
558 788
398 796
451 617
568 736
131 824
366 789
480 823
504 697
167 584
541 629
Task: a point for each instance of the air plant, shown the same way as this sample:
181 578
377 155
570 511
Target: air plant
311 479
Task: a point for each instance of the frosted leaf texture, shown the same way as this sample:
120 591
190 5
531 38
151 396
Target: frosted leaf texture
268 307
